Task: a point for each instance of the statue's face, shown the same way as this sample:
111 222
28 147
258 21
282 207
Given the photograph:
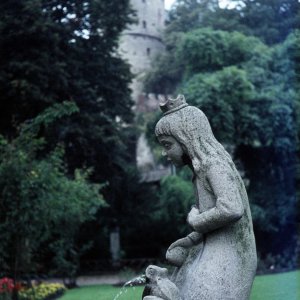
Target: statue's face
172 149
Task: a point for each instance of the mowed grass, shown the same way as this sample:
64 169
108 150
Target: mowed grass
103 292
284 286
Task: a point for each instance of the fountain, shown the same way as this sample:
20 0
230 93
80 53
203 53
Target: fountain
139 280
217 260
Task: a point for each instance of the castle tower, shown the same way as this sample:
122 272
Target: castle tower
141 43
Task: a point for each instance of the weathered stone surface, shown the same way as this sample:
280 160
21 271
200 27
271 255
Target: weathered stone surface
217 261
159 286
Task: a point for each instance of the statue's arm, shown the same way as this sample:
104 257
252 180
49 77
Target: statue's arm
195 237
190 240
229 205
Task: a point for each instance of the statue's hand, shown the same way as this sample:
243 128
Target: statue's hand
184 242
192 216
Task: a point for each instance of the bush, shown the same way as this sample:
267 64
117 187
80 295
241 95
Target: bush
42 206
43 291
6 288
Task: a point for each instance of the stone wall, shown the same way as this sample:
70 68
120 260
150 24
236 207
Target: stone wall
141 42
140 49
151 17
139 45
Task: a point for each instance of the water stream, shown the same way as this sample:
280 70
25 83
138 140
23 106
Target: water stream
131 283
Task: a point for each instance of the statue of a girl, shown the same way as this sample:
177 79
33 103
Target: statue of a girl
217 260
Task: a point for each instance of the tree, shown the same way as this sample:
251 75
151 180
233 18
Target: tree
70 54
270 20
70 49
61 50
187 15
39 202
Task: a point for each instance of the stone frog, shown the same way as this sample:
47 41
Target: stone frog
159 286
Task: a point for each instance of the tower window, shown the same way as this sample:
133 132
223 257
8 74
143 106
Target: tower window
144 24
148 51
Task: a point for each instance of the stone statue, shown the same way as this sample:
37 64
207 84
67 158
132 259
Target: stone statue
159 286
217 260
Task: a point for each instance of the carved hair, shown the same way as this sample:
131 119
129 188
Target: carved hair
190 127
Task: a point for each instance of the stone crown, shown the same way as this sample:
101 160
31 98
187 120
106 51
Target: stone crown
172 105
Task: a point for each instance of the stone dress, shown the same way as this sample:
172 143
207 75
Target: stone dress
223 265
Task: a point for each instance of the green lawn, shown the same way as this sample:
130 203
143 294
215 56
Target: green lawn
102 292
285 286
